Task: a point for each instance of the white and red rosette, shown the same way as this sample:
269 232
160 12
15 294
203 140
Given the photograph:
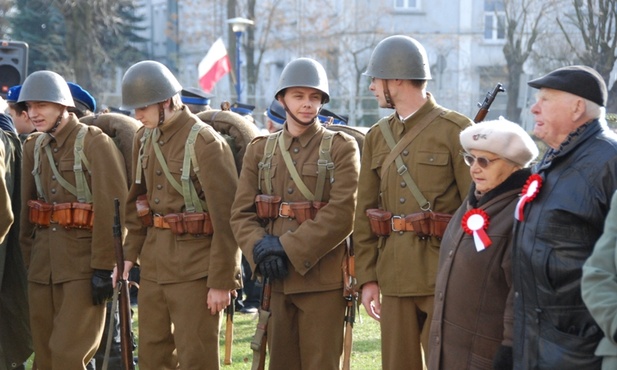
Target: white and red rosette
475 222
530 191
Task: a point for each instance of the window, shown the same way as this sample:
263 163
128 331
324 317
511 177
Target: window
406 4
494 20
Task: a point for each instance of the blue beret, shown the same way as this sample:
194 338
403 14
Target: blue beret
276 112
195 95
13 94
582 81
81 95
242 109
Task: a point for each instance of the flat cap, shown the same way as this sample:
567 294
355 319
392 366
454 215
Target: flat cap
502 137
579 80
13 94
242 108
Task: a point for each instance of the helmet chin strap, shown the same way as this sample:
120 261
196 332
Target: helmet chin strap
161 114
55 126
386 94
308 123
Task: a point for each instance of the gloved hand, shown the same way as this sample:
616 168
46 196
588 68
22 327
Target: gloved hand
503 358
102 286
273 267
268 246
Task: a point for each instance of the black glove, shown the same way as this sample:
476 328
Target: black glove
503 358
102 286
268 246
273 267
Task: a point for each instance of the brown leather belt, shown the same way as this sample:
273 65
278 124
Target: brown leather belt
159 221
401 224
286 211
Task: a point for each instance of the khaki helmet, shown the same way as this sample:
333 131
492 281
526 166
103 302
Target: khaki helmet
46 86
148 82
304 72
399 57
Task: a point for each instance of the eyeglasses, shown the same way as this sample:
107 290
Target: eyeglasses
483 162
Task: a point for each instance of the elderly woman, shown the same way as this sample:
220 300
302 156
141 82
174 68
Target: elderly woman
472 319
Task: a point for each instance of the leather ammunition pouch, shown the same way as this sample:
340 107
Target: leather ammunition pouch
194 223
39 213
143 210
267 206
69 215
379 221
424 224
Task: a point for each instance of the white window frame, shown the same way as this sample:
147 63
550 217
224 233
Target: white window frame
408 5
494 29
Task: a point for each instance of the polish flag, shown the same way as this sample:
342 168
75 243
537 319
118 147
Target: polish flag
213 66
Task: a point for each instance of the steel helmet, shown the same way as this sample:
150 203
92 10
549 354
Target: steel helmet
46 86
399 57
148 82
304 72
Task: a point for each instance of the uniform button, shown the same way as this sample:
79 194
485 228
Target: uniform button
441 296
405 152
437 340
402 200
238 276
431 159
290 190
158 172
161 142
159 186
515 294
294 162
450 253
53 191
55 150
156 200
307 264
53 228
296 150
401 232
403 184
53 177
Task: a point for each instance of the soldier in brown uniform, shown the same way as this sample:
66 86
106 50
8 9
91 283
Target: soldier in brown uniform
299 252
406 196
178 226
67 216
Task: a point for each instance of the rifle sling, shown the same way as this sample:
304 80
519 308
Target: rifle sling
397 148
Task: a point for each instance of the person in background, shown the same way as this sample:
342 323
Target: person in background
299 249
472 316
397 248
178 226
559 221
19 113
70 172
275 117
195 99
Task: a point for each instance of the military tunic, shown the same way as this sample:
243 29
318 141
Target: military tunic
177 270
313 289
403 264
61 261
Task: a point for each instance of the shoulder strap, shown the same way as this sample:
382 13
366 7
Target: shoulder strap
324 164
37 164
191 199
143 141
397 148
266 163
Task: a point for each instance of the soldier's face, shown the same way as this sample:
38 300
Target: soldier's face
376 87
303 102
44 115
148 115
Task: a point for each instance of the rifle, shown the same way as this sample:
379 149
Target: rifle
486 104
126 335
351 296
229 331
259 342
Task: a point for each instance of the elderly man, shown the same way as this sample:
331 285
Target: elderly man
559 219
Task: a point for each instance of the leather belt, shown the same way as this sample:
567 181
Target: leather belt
286 211
401 224
159 221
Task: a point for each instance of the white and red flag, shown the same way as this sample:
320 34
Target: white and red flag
213 66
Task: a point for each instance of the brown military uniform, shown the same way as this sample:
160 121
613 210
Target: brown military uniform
67 326
403 264
307 306
6 214
178 270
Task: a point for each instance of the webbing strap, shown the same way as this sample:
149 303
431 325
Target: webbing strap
266 163
143 142
37 164
159 155
191 199
324 164
293 172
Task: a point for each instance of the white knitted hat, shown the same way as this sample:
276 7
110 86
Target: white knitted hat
502 137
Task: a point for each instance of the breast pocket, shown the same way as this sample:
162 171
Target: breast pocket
377 162
65 167
434 168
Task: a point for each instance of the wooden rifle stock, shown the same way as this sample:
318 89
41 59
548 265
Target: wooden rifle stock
229 332
486 104
260 340
126 335
351 296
